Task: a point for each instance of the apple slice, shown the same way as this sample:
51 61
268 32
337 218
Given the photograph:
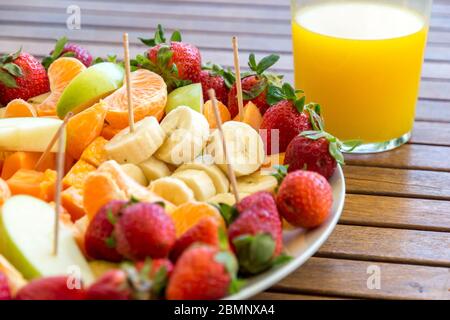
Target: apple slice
26 240
28 134
89 86
190 95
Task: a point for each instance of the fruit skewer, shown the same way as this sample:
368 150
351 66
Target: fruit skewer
126 52
237 70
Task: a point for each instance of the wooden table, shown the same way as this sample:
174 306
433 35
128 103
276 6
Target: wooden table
397 210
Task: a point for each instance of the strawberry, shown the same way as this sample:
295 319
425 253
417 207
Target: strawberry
287 116
205 231
50 288
144 230
99 239
179 63
255 85
65 49
112 285
256 234
21 76
215 77
203 272
5 291
154 275
304 199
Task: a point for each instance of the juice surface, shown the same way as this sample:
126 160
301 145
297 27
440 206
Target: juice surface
362 62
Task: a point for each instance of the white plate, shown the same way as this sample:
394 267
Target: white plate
300 244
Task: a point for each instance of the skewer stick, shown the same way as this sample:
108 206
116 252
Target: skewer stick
59 177
230 172
55 138
128 81
237 70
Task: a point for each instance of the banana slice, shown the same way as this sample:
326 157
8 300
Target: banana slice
154 169
135 147
198 181
227 198
244 145
134 172
256 182
187 133
219 179
172 189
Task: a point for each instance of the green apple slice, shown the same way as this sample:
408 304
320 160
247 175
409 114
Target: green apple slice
89 86
28 134
26 240
190 95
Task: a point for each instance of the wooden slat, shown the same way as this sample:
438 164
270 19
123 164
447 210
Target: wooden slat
437 111
287 296
393 212
397 182
388 245
349 278
409 156
432 133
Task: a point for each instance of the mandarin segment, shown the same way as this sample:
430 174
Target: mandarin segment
149 96
34 183
208 112
77 174
72 201
19 108
25 160
95 153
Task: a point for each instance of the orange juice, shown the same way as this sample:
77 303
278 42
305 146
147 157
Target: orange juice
362 62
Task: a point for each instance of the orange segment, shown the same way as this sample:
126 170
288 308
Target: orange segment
95 153
60 73
19 108
34 183
72 201
208 112
5 193
109 132
188 214
84 127
25 160
149 95
252 116
77 174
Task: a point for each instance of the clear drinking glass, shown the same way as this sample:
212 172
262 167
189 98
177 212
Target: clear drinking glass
361 61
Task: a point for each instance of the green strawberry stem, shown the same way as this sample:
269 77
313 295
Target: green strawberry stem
9 70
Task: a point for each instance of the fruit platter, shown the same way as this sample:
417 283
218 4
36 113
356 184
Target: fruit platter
158 176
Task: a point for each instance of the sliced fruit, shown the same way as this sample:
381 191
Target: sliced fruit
257 182
109 132
34 183
38 99
187 132
77 174
15 278
134 172
188 214
135 147
205 163
26 240
208 112
252 116
172 189
25 160
199 181
5 193
154 169
84 127
227 198
28 134
18 108
95 153
244 145
60 73
89 86
72 201
190 96
149 96
273 160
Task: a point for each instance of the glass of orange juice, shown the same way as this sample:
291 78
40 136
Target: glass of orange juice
361 61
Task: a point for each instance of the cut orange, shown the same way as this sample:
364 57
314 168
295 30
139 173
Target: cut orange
5 193
72 201
95 153
149 96
25 160
19 108
84 127
109 132
60 73
252 116
208 112
77 174
34 183
189 214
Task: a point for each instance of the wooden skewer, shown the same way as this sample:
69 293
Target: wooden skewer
126 61
230 172
55 138
237 71
59 177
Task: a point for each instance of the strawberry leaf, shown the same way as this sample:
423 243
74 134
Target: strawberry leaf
227 259
274 94
158 37
281 259
336 153
7 79
176 36
148 42
13 69
280 172
254 253
300 104
59 47
110 242
229 213
256 90
264 64
350 145
252 62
